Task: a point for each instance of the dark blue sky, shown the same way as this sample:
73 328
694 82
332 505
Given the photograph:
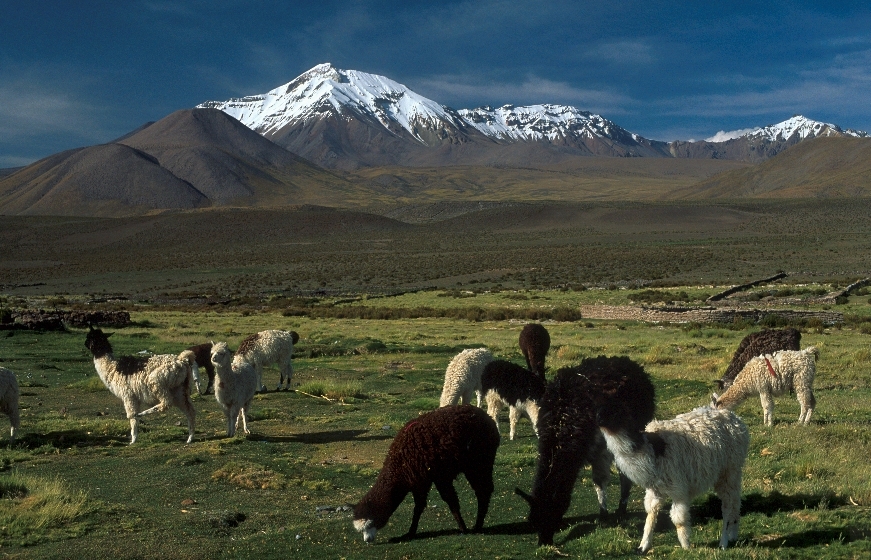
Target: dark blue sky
81 73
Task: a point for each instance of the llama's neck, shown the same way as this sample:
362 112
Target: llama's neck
638 462
735 395
106 370
383 499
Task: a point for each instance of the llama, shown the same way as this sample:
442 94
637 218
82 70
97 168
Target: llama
203 355
679 459
236 386
756 344
158 381
434 448
9 395
534 344
504 383
269 347
463 376
569 438
771 376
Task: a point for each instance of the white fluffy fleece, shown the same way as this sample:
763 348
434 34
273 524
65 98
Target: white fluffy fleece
682 458
266 348
463 376
789 370
9 400
157 382
235 386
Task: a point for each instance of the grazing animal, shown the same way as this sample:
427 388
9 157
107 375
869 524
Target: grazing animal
504 383
463 376
236 386
569 438
771 376
203 355
680 459
434 448
757 344
534 344
266 348
158 381
9 395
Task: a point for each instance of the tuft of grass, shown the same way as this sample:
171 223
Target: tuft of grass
93 384
250 475
34 509
336 390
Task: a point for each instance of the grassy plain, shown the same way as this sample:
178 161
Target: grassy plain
278 491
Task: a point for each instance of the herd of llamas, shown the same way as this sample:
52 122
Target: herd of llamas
597 413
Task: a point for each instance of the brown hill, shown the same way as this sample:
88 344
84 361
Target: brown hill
107 180
192 158
823 167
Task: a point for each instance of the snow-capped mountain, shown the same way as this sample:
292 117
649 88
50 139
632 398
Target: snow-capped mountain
346 118
333 116
798 125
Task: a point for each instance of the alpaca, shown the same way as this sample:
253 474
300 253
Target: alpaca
9 394
568 437
504 383
237 384
203 355
771 376
756 344
269 347
158 381
534 344
463 376
679 459
434 448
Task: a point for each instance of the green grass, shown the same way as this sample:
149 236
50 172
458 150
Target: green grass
279 491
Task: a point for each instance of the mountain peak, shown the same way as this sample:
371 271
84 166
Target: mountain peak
798 125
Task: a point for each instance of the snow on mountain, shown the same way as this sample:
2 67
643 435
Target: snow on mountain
539 122
798 124
325 88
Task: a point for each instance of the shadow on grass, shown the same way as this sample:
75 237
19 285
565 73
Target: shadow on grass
775 502
323 437
68 438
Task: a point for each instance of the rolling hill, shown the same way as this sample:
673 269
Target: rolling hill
833 167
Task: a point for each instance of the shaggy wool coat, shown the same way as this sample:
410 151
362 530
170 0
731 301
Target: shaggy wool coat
9 395
433 449
463 377
569 437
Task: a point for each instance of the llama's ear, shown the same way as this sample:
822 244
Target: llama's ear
529 499
719 383
109 334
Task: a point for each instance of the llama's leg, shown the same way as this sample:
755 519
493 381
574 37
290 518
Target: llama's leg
232 414
807 401
767 408
481 481
728 488
182 401
449 495
210 371
625 487
159 407
494 405
680 516
601 467
532 414
286 376
513 417
478 395
195 371
652 505
419 507
130 409
14 421
243 415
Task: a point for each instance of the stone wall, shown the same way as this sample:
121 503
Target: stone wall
701 315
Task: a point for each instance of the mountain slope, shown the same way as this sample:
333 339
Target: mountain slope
822 167
189 159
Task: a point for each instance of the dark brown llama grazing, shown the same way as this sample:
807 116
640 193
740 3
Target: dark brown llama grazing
534 344
757 344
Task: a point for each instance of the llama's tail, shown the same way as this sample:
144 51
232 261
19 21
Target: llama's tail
812 350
